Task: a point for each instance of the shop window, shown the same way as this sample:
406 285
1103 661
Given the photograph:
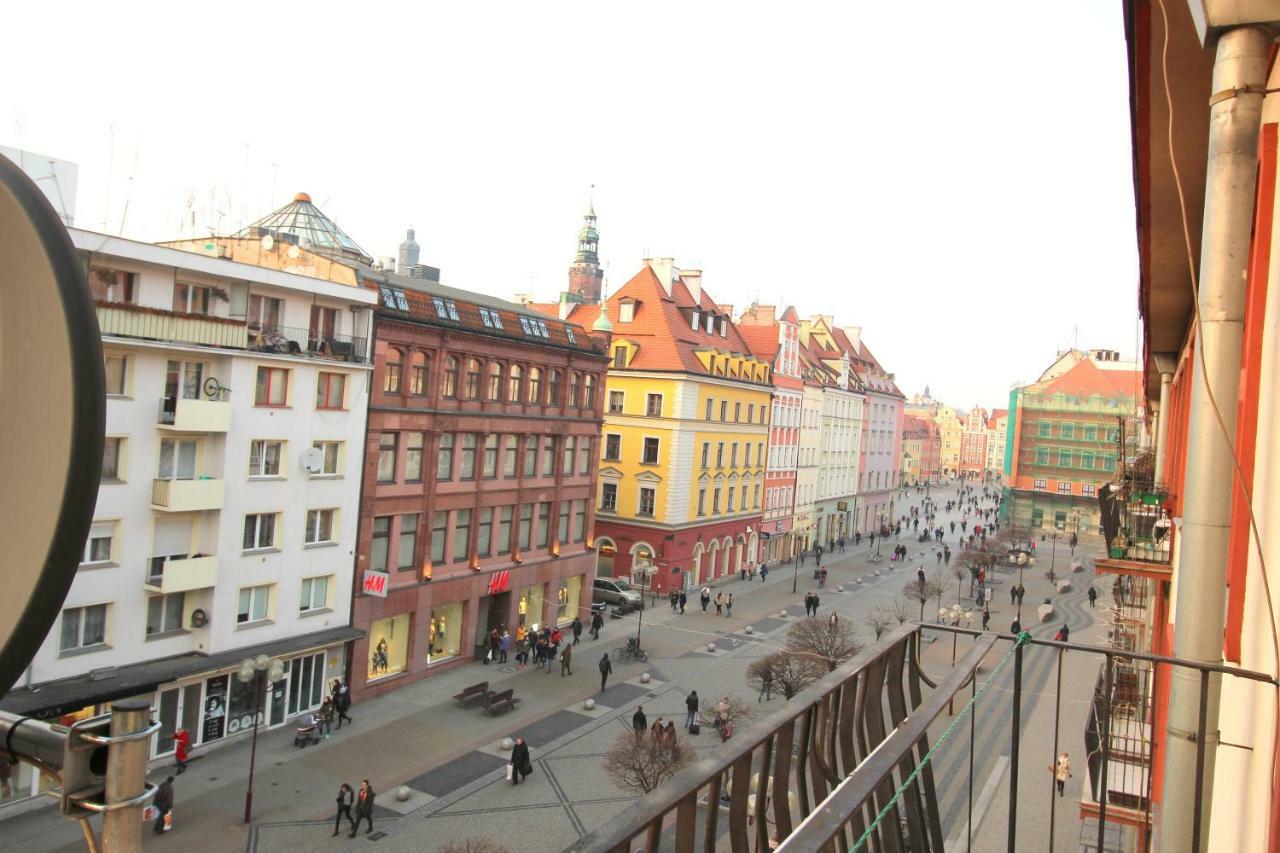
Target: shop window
388 646
530 607
444 633
306 682
568 596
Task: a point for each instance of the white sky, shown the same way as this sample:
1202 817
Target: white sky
953 177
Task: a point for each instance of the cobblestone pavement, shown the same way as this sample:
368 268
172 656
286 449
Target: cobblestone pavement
452 764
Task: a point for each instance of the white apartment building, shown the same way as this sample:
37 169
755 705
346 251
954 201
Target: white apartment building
808 459
225 524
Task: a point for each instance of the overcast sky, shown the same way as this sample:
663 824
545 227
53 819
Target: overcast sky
953 177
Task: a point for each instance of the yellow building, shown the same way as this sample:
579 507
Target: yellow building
682 468
952 429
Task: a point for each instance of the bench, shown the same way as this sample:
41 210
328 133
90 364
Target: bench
500 701
473 694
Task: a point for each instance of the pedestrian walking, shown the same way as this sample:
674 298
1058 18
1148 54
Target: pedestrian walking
1063 635
1022 591
728 606
504 646
364 808
719 603
822 577
766 684
691 705
597 622
324 719
684 599
764 572
606 670
920 576
163 802
520 767
1013 594
577 630
550 656
566 661
181 749
1061 771
341 702
706 598
1093 597
816 602
346 798
639 722
833 621
986 618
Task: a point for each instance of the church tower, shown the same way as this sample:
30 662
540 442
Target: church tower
585 275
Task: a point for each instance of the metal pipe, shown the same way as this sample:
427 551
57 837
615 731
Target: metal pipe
1230 183
1105 734
126 776
33 739
1015 747
1162 416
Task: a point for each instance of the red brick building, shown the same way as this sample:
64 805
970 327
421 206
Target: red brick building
479 478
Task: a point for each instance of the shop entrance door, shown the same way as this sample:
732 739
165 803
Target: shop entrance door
491 613
178 707
276 695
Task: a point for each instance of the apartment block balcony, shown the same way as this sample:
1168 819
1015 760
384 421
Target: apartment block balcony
156 324
181 573
1134 519
202 493
314 343
212 414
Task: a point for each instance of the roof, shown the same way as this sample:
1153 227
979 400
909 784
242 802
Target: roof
313 230
868 368
763 340
1085 379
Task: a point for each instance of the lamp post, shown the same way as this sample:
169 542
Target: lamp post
257 671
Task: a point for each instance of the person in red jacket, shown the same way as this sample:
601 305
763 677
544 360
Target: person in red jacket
181 748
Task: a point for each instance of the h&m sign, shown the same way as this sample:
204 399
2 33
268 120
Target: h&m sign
375 583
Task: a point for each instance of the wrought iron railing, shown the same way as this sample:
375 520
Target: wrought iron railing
286 340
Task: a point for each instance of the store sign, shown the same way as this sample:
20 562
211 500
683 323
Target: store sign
499 582
215 708
780 526
375 583
842 506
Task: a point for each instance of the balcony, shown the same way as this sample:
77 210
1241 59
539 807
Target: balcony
310 343
1136 524
190 415
181 574
197 495
156 324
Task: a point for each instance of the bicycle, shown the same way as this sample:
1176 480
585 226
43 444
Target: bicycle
631 652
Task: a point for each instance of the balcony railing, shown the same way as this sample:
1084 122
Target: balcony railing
194 495
181 573
860 761
157 324
1135 522
287 340
211 414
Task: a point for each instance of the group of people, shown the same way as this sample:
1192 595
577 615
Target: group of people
724 604
360 801
663 734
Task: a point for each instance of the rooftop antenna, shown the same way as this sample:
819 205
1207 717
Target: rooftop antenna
111 156
128 193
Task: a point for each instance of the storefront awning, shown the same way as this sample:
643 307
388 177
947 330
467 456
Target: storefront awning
54 698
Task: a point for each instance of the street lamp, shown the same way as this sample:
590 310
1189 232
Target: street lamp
257 671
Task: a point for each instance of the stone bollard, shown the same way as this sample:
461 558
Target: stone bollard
840 588
507 744
858 581
589 705
644 678
711 647
782 614
1064 586
402 793
748 630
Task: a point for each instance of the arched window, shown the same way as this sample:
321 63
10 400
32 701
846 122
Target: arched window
494 391
575 380
588 392
391 382
535 385
451 377
473 379
553 388
418 374
513 384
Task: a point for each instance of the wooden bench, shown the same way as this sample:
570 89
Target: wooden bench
473 694
500 701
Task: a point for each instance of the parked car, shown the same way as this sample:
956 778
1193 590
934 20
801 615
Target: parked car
617 591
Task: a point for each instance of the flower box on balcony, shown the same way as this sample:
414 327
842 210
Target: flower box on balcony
1151 498
1117 553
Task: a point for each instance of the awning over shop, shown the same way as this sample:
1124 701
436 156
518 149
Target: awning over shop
54 698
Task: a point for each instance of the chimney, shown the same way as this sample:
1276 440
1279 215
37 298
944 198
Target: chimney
665 270
566 307
693 280
726 308
523 298
854 334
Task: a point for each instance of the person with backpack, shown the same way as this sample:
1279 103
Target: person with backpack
606 670
691 705
341 701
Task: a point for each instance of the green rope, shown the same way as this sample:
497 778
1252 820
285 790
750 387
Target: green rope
1022 639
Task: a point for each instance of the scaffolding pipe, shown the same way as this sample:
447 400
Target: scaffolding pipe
1230 183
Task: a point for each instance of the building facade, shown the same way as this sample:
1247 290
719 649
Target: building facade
915 433
880 450
840 432
226 518
973 444
480 466
951 431
997 424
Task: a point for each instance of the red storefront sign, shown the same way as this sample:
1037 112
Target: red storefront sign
499 582
375 583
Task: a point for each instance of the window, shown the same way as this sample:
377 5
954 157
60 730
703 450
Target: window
314 594
330 452
272 388
112 448
715 501
439 529
413 442
653 405
391 381
702 501
751 412
1039 484
575 382
467 462
489 467
513 384
418 374
530 455
1045 429
568 332
83 627
724 410
164 613
112 285
259 531
589 392
484 532
710 403
626 312
254 604
490 318
1090 432
191 299
737 412
319 526
526 526
553 388
1042 456
1088 490
1064 458
473 379
505 515
743 505
719 454
97 547
648 499
535 385
613 447
620 357
746 452
387 457
1067 430
562 532
380 545
265 456
733 455
493 389
579 519
408 544
544 524
608 497
755 497
450 378
1064 487
324 324
615 402
1086 459
264 311
693 319
728 505
706 453
584 454
117 368
510 454
650 456
548 456
566 468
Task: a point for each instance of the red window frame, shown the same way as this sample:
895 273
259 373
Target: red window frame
324 390
271 374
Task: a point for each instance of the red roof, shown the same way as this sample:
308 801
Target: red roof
1086 379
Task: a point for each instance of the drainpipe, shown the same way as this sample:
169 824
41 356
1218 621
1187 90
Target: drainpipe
1234 125
1164 364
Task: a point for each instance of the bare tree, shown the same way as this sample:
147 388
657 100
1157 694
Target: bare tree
641 765
832 642
900 610
738 709
880 621
921 591
787 672
957 573
479 844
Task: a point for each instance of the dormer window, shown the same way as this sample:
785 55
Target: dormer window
626 312
724 327
693 323
711 321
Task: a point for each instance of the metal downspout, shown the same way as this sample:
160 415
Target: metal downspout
1230 184
1165 364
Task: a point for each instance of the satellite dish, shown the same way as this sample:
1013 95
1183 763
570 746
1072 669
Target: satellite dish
313 460
51 371
267 243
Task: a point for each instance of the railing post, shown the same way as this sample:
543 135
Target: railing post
1105 736
1057 720
1200 736
1014 748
